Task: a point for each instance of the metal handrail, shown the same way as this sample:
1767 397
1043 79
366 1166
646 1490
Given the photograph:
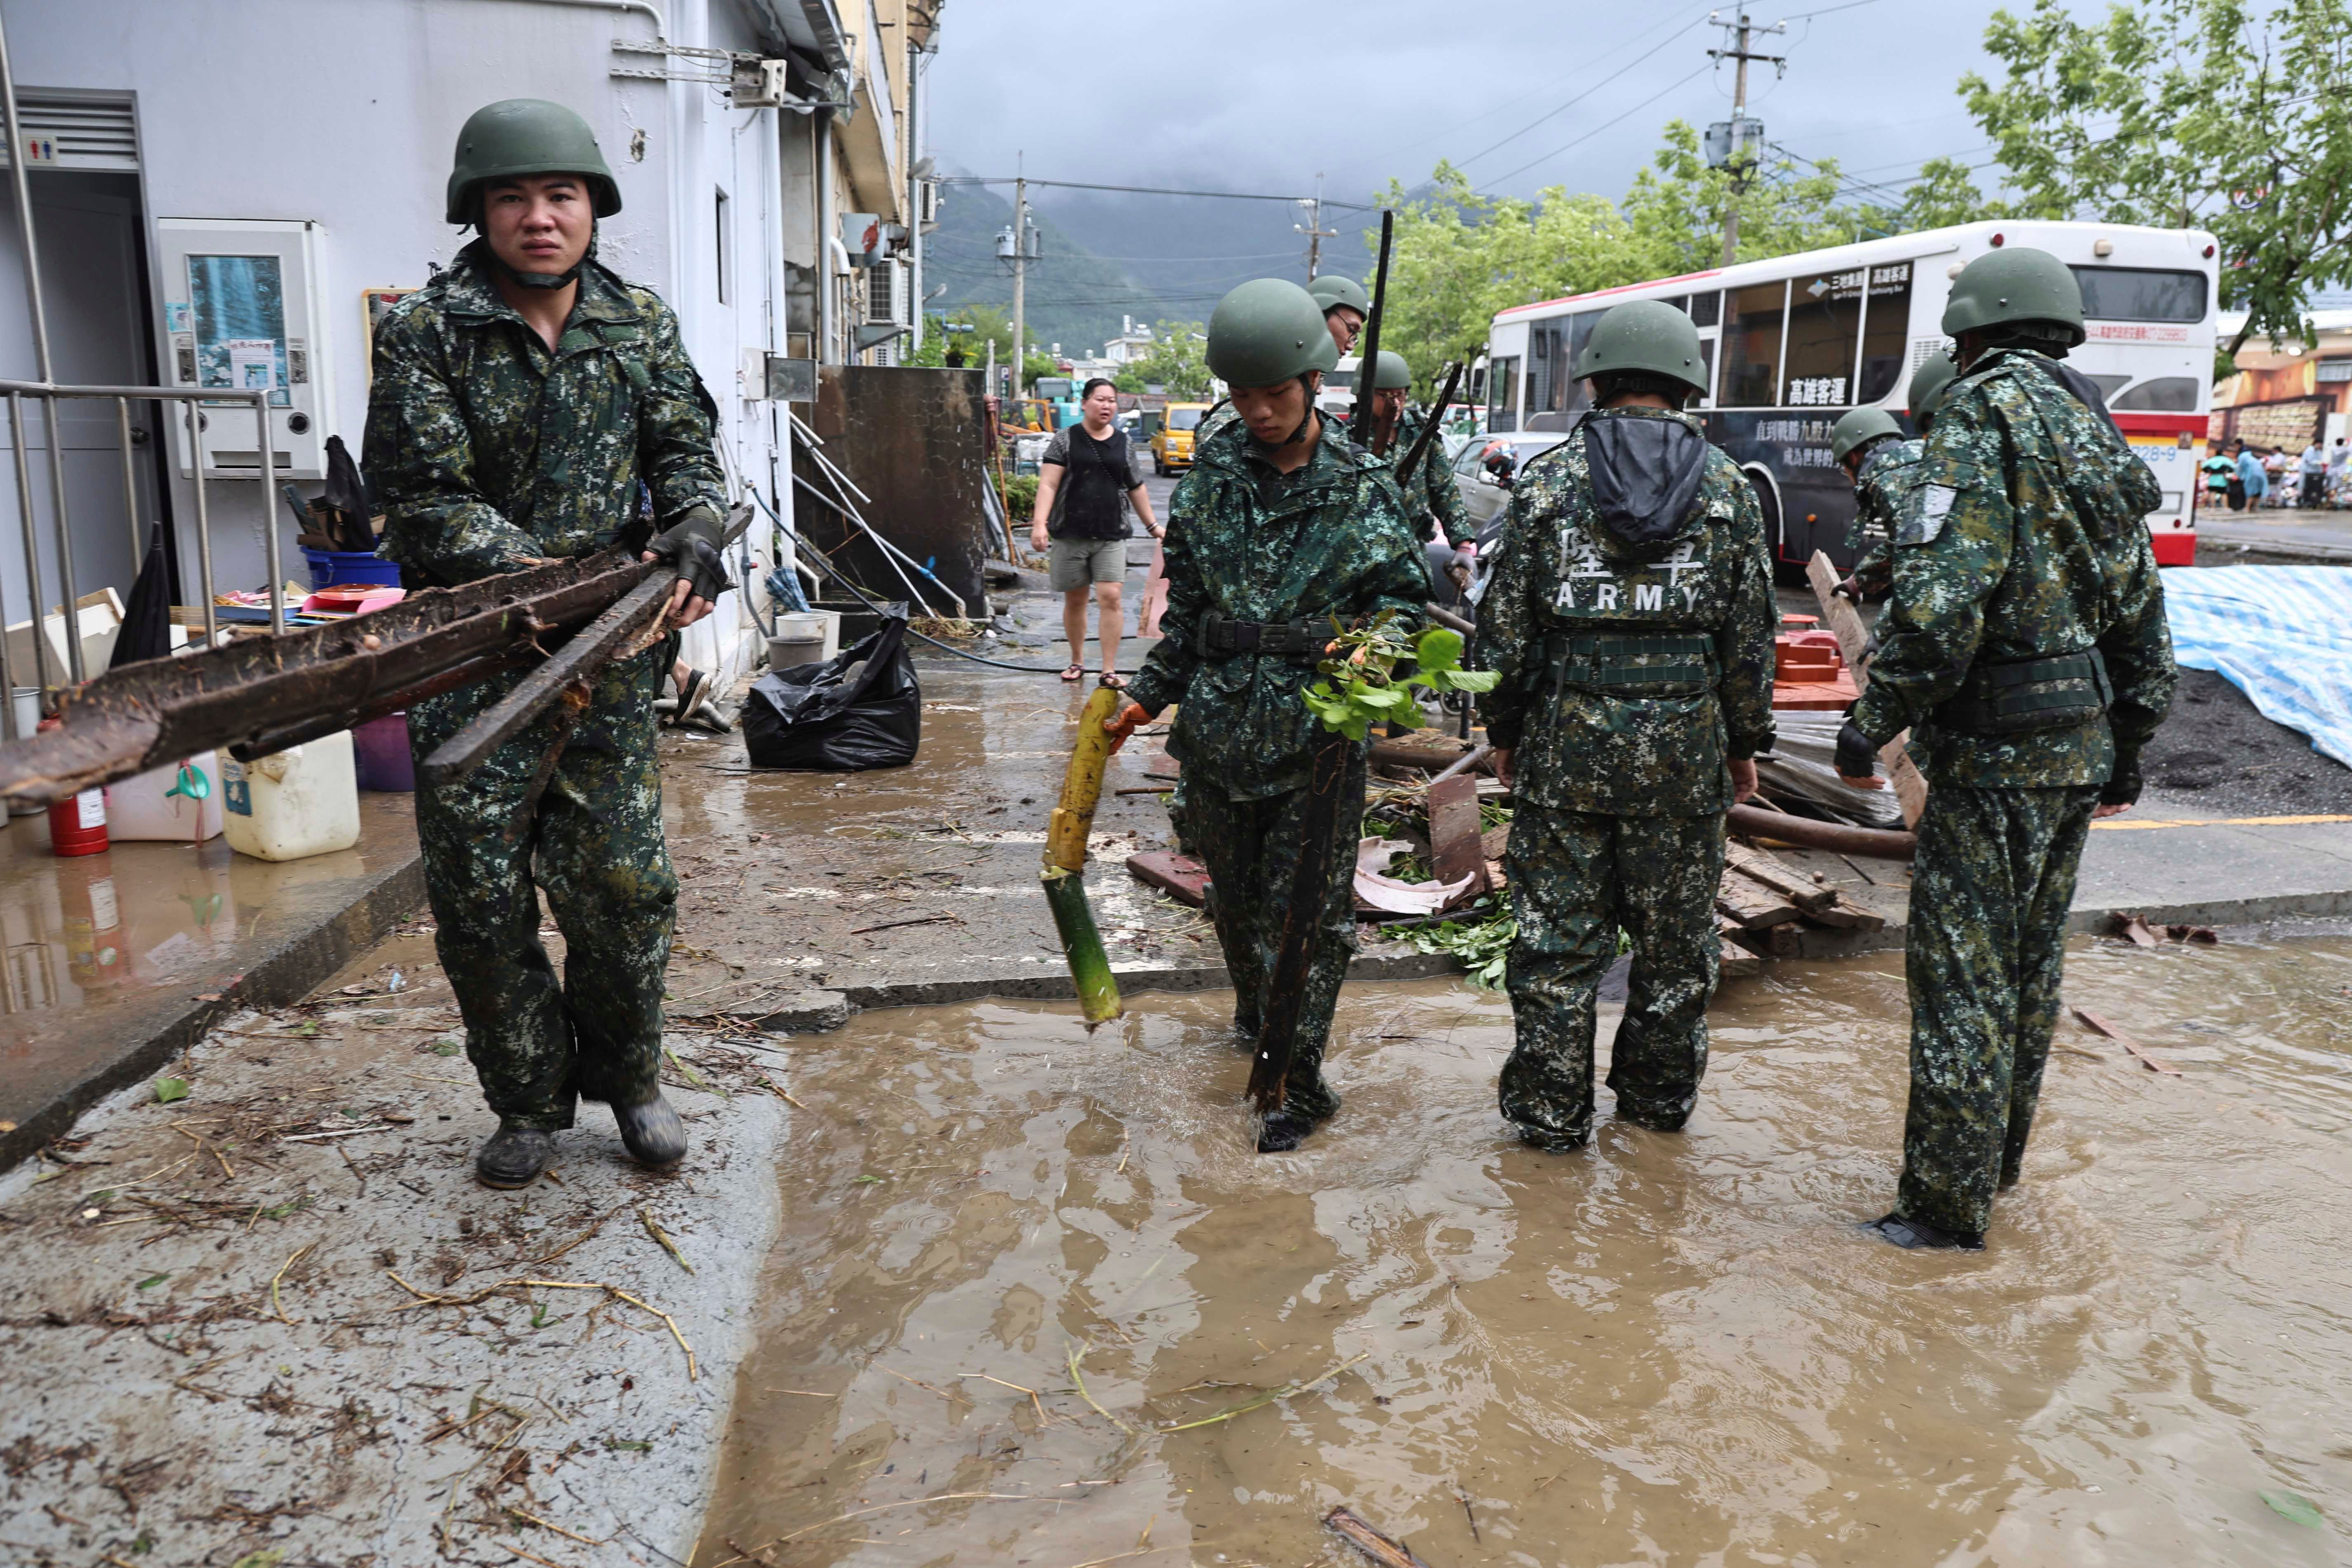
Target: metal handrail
46 389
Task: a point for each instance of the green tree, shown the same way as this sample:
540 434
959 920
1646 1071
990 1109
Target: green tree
2221 114
1035 365
1179 359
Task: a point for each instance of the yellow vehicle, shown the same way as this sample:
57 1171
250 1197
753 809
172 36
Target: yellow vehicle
1172 442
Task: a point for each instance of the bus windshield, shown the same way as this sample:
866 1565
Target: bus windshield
2140 294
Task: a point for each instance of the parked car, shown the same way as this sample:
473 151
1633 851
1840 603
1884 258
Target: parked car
1482 470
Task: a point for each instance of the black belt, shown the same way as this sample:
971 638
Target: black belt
1606 659
1222 636
2056 691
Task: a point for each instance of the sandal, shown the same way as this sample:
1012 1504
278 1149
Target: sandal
1074 671
1115 682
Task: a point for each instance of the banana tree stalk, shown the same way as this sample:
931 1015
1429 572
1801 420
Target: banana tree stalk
1065 862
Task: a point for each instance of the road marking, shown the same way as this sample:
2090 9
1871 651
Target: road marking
2117 822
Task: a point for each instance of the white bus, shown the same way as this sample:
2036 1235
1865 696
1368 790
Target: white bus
1793 342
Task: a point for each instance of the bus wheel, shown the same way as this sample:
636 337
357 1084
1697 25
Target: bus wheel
1785 573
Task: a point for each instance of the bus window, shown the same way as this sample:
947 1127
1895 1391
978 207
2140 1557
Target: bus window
1706 370
2140 294
2165 394
1706 309
1825 324
1886 331
2109 385
1751 347
1555 398
1503 395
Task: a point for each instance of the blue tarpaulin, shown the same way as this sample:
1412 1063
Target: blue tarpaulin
2282 634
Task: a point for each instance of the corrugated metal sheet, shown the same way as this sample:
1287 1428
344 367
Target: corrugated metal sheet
77 131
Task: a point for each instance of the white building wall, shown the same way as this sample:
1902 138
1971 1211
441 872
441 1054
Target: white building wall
346 112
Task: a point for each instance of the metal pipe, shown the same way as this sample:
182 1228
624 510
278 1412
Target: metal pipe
23 193
1835 836
269 517
204 535
74 661
1469 760
129 485
661 28
16 436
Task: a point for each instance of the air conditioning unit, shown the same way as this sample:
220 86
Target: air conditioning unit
886 304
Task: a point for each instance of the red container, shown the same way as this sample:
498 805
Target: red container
77 826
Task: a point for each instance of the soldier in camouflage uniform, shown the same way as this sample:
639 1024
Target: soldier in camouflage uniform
2026 650
1884 479
1631 616
1281 526
520 401
1346 308
1431 502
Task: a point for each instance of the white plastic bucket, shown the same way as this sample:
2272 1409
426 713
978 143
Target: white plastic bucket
297 802
162 805
801 626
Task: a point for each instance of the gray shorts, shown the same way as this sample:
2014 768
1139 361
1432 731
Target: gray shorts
1078 561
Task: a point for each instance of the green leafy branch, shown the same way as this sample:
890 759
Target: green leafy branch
1369 673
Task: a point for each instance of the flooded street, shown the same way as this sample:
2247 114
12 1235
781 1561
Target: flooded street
1659 1349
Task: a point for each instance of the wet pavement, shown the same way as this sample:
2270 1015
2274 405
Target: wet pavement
113 958
1022 1268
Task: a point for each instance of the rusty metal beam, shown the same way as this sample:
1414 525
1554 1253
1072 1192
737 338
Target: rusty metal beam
263 693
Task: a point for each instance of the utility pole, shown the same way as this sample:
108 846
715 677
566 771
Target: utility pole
1742 135
1019 278
1313 228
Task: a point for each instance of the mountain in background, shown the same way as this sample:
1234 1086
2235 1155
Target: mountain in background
1107 257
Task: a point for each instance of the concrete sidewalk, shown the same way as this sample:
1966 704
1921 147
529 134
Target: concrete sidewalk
2323 535
117 961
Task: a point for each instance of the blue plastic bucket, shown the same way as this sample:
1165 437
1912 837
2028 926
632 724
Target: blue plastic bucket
330 568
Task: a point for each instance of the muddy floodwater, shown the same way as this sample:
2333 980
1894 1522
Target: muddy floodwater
1661 1350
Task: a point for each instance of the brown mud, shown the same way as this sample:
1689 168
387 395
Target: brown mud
1664 1349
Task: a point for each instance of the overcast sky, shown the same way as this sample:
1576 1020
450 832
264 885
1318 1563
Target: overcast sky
1262 94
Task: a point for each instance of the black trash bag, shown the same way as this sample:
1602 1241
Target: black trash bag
860 708
346 493
147 619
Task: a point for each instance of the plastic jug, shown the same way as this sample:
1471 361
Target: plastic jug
302 801
178 801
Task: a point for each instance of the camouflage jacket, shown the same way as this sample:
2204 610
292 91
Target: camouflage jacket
1888 472
1329 541
485 450
1613 742
1221 413
2023 538
1432 504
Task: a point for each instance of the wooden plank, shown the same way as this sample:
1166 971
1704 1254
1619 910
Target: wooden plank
1751 905
1181 877
1845 621
1780 876
2153 1064
1736 962
1454 851
1846 915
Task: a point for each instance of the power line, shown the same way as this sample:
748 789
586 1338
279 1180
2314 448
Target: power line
1605 125
1580 97
1148 190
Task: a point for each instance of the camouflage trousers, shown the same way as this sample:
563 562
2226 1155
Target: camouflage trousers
592 841
1983 956
1252 847
1577 878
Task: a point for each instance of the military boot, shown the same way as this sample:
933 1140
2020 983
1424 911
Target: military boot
514 1155
653 1133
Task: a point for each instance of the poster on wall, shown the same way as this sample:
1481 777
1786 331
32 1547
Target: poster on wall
239 305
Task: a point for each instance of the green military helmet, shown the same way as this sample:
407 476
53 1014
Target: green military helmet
519 136
1392 373
1928 383
2012 287
1644 335
1331 290
1859 429
1267 332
